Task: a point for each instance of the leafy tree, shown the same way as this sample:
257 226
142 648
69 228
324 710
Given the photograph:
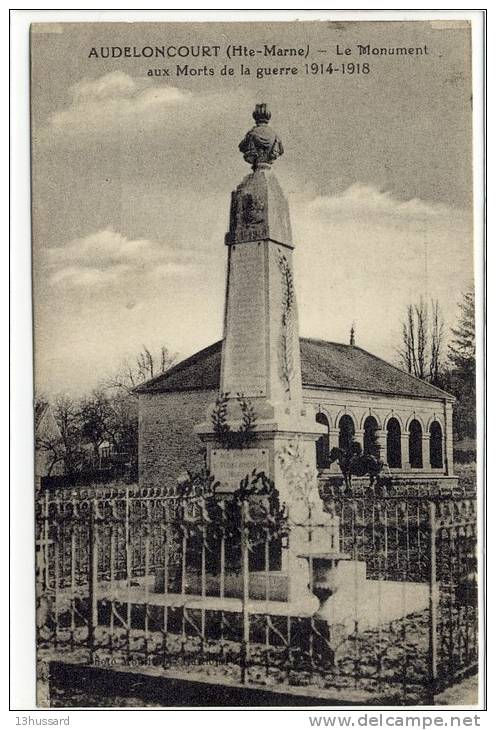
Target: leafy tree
461 351
461 355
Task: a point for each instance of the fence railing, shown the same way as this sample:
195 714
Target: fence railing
403 537
155 577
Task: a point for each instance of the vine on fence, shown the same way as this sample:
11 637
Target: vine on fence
256 490
201 484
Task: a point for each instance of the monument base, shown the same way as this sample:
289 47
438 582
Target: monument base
284 450
349 601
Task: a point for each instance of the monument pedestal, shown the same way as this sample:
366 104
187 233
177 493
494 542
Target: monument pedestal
287 458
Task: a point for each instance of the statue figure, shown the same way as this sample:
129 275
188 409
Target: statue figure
261 145
353 462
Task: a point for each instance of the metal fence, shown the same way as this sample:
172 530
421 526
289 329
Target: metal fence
405 537
193 582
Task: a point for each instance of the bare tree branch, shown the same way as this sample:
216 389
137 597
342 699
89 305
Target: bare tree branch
148 364
422 341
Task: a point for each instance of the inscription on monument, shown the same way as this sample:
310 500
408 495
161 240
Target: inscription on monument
230 466
244 366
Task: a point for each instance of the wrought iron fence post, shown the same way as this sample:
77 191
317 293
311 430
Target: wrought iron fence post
93 579
147 576
246 588
129 570
433 603
44 546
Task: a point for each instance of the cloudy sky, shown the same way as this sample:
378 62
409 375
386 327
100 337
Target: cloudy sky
132 177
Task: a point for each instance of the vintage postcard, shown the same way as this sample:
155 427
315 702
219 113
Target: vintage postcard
254 328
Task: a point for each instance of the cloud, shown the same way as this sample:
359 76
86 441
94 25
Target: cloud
115 101
366 255
164 270
368 203
107 257
112 85
87 276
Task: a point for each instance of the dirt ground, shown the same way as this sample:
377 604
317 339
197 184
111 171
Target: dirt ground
463 693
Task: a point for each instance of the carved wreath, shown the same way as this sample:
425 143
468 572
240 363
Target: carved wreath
245 433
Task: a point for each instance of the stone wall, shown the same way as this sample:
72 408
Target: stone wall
167 442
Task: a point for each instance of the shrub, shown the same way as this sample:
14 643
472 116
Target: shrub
464 456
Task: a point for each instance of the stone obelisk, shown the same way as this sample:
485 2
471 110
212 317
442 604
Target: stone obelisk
261 349
261 367
261 352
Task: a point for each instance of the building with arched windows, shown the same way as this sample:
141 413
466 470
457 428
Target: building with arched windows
353 394
325 392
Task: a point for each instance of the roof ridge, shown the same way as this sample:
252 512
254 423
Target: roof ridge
403 372
419 388
380 359
326 342
178 366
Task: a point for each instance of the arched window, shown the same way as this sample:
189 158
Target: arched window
415 445
370 444
393 444
322 444
436 445
346 432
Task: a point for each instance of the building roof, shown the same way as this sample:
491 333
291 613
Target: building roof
323 365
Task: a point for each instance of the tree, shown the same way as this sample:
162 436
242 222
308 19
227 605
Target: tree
121 410
461 351
64 444
47 440
461 355
96 419
67 414
122 429
422 341
108 413
134 371
436 344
